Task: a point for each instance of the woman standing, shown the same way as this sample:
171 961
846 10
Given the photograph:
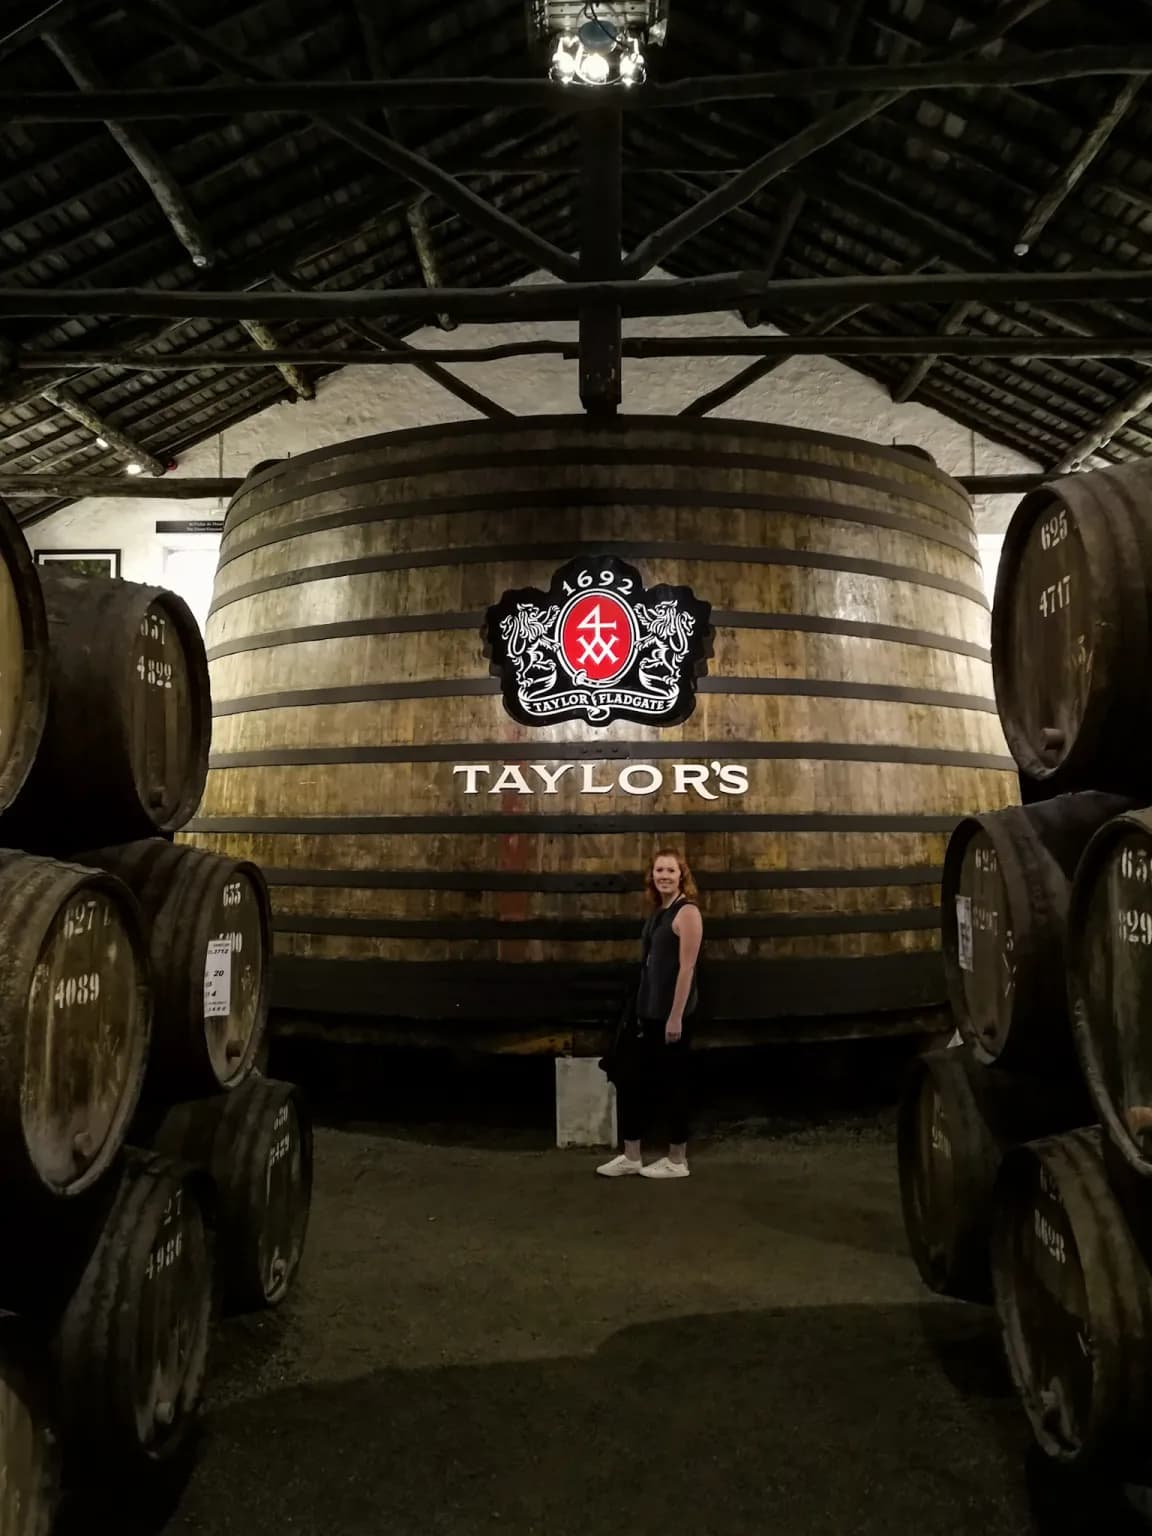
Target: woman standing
652 1069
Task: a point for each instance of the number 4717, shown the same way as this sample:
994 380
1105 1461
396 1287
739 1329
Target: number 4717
1055 597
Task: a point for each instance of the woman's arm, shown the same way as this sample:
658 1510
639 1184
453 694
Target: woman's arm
688 926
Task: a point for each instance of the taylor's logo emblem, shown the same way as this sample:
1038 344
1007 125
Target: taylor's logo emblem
599 647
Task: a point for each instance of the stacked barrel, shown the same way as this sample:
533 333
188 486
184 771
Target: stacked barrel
148 1173
1026 1152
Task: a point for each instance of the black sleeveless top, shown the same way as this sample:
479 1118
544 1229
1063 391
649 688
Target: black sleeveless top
660 965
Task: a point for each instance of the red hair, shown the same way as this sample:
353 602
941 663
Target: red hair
687 883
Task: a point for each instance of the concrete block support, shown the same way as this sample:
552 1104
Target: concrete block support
585 1104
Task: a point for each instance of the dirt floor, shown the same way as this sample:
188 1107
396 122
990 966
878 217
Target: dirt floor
485 1337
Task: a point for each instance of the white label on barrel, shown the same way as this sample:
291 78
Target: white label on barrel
964 932
218 979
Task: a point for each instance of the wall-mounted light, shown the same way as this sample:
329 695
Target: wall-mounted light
599 42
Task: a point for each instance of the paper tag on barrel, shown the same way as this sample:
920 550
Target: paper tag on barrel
964 932
218 979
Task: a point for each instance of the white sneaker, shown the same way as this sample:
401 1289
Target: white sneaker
666 1169
620 1166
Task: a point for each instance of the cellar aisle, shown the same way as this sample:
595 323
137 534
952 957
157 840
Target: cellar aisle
491 1339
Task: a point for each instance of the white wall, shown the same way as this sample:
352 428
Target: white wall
813 392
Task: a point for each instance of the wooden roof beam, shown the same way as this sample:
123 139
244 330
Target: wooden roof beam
1087 151
159 180
953 321
818 343
354 98
385 342
1128 410
301 387
64 400
790 217
416 214
562 301
816 136
376 146
175 488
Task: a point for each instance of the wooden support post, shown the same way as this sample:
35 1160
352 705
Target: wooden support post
601 219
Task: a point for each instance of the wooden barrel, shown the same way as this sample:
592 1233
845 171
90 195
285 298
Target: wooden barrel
1074 1300
453 850
257 1145
1072 632
75 1018
1004 914
132 1345
956 1120
29 1470
209 930
125 747
23 659
1110 980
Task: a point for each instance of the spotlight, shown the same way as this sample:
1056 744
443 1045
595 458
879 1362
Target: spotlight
132 468
599 42
102 442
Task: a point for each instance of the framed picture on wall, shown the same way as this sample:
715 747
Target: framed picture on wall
81 562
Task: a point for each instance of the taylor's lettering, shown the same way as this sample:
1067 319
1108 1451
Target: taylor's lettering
598 646
707 781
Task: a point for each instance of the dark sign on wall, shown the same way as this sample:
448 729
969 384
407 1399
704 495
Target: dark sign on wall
598 646
209 525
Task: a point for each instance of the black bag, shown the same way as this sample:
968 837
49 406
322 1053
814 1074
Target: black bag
610 1062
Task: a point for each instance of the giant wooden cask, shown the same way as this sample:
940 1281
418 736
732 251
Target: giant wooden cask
450 846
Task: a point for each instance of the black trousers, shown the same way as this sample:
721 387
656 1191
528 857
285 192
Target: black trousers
653 1083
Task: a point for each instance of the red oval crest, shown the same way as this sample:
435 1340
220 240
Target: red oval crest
597 636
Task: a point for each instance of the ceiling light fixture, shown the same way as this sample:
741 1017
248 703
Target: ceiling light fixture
599 42
132 468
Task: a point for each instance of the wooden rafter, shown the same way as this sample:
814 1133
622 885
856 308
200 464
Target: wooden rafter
386 344
80 411
1127 410
816 136
953 322
157 177
1063 183
376 146
848 27
416 214
301 387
